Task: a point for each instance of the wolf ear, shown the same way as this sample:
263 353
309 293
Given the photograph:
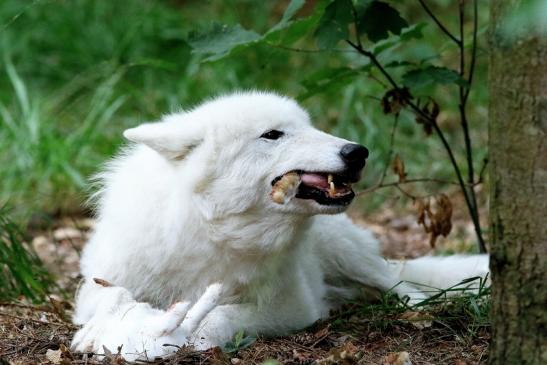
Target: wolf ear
173 139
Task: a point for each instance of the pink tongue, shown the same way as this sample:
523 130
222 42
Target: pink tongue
315 180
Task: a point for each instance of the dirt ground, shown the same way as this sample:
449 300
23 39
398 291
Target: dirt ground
42 334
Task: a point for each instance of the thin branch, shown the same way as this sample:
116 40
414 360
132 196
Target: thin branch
463 115
372 97
304 50
371 76
462 39
439 24
374 60
406 193
473 51
469 196
465 125
391 184
482 170
390 152
355 19
418 111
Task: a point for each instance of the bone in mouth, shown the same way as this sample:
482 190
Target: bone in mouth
285 188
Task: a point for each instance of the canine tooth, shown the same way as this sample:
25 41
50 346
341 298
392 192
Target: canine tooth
329 179
332 190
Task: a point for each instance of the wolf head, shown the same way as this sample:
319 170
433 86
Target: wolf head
236 151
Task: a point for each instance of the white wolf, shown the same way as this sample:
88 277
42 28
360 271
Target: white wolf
190 205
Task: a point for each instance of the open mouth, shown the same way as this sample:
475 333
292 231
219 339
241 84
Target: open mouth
323 187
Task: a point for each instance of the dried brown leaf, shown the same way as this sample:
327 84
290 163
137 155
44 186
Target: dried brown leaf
397 358
419 320
430 112
423 209
322 333
394 100
398 167
438 221
102 282
218 357
347 354
299 356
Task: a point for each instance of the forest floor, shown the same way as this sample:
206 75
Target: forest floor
382 332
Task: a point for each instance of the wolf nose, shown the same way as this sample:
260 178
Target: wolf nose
354 155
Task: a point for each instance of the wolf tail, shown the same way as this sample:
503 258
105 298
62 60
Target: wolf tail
432 273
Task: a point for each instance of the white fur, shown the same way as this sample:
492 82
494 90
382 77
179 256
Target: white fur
188 205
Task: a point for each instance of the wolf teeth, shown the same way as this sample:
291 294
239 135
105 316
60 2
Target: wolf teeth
332 187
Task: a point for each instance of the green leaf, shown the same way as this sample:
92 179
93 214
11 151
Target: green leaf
291 10
333 25
239 342
238 337
378 19
419 78
221 40
330 79
362 5
413 32
394 64
292 31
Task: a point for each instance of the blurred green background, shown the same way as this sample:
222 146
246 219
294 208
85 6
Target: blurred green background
75 73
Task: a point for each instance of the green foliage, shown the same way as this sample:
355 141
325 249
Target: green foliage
466 304
329 79
47 155
21 271
239 342
422 77
133 61
463 309
293 7
220 40
377 19
333 26
382 24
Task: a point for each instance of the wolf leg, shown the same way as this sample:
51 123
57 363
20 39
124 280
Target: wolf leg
224 321
138 330
348 251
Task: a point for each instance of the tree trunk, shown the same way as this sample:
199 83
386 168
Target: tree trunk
518 176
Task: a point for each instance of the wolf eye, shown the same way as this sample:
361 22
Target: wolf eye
273 134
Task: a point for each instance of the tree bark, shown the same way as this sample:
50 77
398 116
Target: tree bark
518 198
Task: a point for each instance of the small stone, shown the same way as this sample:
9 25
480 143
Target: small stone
67 233
54 356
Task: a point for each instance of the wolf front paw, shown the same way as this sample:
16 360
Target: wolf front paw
139 331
